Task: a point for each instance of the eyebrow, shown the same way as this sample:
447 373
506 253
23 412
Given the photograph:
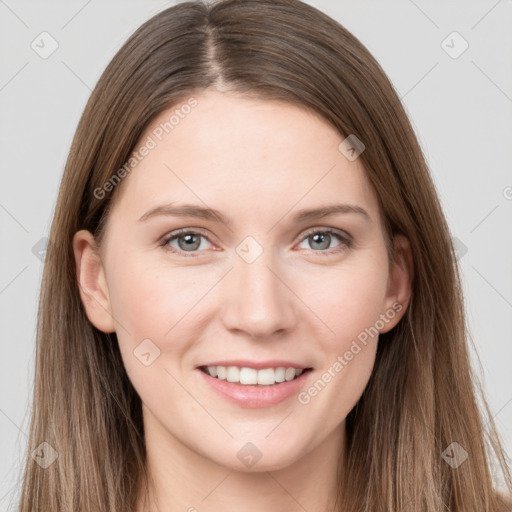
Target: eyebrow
190 210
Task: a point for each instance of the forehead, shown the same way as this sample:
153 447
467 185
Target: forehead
243 153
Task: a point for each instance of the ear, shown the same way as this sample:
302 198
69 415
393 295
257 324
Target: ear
401 275
92 282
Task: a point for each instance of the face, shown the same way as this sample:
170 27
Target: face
257 284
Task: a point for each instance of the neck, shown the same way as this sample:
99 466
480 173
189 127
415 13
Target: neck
183 480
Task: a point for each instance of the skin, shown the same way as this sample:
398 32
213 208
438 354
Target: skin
258 162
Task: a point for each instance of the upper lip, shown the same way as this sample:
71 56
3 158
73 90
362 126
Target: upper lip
257 365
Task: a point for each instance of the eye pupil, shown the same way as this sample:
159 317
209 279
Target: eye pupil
321 237
192 242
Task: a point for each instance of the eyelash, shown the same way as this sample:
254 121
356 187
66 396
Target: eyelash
346 241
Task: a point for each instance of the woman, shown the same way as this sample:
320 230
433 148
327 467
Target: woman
251 300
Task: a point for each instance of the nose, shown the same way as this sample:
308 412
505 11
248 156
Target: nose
257 299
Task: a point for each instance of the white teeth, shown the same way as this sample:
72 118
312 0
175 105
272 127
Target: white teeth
290 373
266 377
248 376
251 376
280 374
233 374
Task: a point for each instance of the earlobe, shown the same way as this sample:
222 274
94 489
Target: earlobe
91 281
400 280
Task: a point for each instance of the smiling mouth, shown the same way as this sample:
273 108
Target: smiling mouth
250 376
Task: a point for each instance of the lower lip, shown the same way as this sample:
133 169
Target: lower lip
256 396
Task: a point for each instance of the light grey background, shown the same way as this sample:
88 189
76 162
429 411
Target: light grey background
461 109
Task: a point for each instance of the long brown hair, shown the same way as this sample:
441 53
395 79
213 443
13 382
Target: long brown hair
422 395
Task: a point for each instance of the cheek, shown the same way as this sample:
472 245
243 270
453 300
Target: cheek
157 303
350 304
147 295
347 299
150 313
